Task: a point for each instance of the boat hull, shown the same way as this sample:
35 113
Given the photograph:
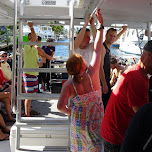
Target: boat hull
130 48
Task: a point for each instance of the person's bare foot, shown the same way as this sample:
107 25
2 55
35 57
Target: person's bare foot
6 130
11 119
3 136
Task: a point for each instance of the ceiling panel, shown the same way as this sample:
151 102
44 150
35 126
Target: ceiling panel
135 13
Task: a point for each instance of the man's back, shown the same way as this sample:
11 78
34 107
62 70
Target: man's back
86 53
30 58
139 132
129 92
48 49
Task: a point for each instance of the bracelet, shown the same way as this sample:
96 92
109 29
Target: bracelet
99 26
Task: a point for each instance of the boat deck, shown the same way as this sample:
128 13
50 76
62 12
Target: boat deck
47 108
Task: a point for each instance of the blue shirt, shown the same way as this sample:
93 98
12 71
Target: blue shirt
48 49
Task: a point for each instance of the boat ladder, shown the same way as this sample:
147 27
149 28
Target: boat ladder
37 133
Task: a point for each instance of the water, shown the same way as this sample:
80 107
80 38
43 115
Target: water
62 53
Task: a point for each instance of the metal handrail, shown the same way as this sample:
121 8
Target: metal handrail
42 70
44 18
43 43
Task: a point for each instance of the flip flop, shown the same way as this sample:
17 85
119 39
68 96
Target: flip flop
6 138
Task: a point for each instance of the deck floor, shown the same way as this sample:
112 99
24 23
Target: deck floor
47 108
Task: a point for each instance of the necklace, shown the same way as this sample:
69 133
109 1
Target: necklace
81 77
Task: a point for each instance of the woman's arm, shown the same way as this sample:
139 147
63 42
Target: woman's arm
98 47
63 100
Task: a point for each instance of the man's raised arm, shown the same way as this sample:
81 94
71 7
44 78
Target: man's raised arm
33 34
80 35
124 29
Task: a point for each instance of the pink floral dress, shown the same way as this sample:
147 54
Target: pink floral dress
86 117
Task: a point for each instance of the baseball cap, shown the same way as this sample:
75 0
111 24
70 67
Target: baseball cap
3 52
148 46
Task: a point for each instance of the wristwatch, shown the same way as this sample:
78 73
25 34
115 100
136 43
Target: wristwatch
99 26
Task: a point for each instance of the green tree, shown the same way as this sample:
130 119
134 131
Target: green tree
10 27
56 29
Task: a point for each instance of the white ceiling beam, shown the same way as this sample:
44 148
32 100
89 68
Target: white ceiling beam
10 12
4 15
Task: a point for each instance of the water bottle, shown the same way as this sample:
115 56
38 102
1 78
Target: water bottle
40 59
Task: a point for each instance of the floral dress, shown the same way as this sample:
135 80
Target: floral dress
86 117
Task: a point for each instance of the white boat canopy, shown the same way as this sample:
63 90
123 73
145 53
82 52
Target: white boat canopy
134 13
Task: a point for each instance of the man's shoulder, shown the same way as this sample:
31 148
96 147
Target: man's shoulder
135 69
44 47
26 47
133 73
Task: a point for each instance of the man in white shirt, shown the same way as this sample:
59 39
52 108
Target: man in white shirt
82 43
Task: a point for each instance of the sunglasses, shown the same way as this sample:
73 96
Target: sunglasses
4 56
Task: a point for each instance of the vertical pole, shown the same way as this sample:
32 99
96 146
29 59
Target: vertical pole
71 14
149 31
50 76
14 58
17 138
139 45
19 74
71 48
14 70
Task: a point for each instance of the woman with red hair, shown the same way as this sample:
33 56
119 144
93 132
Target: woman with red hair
85 92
